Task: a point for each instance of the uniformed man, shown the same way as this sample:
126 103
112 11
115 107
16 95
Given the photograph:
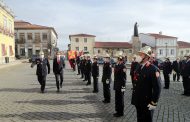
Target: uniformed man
167 69
119 85
58 66
134 65
176 68
106 79
78 64
186 75
88 69
147 86
41 70
82 66
95 74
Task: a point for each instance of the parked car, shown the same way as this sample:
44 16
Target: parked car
100 60
33 58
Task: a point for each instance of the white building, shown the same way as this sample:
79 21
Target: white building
183 48
82 42
31 38
163 45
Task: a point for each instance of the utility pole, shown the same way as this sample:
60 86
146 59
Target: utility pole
166 49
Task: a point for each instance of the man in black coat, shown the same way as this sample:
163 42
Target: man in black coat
106 79
185 72
78 64
58 66
134 65
95 74
147 86
88 70
82 66
119 86
41 70
176 68
167 69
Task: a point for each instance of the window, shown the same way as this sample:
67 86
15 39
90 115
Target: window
4 52
130 51
85 48
37 37
29 36
85 40
187 51
77 48
161 52
22 38
5 23
172 51
76 39
44 36
22 52
98 51
10 51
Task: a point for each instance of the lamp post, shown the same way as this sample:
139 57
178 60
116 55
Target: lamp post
166 49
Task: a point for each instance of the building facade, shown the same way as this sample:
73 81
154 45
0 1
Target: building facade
30 39
7 45
111 48
163 45
183 48
82 42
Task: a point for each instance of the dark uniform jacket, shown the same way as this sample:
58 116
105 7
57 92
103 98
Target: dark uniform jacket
185 72
134 65
119 76
84 65
41 67
155 62
58 68
78 60
176 66
95 69
167 68
107 71
88 66
147 85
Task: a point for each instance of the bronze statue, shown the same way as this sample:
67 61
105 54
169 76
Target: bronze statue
136 30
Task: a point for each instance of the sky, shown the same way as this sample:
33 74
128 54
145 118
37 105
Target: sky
109 20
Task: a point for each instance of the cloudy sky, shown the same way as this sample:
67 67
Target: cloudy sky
109 20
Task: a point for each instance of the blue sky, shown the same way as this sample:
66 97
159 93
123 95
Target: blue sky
109 20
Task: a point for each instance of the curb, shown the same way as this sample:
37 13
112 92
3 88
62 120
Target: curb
16 62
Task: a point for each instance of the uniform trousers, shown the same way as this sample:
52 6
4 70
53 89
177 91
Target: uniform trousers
143 114
42 81
119 101
57 77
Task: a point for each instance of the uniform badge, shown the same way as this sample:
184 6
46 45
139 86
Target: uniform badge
157 74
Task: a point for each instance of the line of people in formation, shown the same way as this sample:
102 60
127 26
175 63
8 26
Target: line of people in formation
145 76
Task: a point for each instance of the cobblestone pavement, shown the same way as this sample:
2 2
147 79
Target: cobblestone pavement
21 100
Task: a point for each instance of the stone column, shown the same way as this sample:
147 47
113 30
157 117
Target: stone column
136 45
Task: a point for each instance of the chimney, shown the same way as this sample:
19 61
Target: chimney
160 32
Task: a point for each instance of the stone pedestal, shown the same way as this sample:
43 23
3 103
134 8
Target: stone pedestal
136 45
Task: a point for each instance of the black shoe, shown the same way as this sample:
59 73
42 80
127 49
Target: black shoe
81 77
105 101
88 84
57 90
117 115
166 88
42 91
95 91
83 80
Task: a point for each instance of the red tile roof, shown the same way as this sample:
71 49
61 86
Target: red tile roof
82 35
182 44
20 24
160 35
113 44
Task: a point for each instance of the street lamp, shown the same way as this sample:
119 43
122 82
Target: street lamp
166 49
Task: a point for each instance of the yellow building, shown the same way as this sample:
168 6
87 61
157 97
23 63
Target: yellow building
7 44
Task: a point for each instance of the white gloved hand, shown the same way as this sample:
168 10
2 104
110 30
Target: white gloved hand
151 107
107 81
123 89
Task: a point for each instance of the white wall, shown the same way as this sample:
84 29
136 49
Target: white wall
149 40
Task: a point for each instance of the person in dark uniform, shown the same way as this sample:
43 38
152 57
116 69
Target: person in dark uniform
167 69
106 79
176 68
134 65
153 60
78 64
73 65
147 86
88 69
58 66
82 66
185 72
41 71
119 85
95 74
